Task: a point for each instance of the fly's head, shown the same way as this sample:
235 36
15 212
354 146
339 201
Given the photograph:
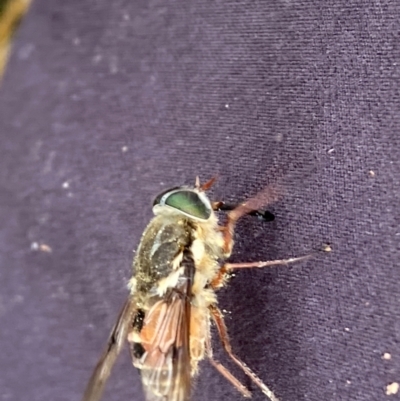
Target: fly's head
190 202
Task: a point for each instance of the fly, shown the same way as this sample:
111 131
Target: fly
177 271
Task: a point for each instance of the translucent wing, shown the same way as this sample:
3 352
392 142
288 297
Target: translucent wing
116 341
165 363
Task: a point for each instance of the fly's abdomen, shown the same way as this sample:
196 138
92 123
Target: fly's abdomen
161 348
199 330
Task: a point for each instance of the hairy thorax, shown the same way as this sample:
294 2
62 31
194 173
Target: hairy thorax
168 245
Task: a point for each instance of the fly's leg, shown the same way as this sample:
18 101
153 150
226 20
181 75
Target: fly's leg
264 215
225 372
269 263
220 279
223 335
265 197
235 213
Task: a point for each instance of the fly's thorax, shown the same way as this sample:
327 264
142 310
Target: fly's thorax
207 250
209 234
163 242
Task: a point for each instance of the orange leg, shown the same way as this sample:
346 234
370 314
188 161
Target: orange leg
225 372
251 206
269 263
223 335
264 215
220 278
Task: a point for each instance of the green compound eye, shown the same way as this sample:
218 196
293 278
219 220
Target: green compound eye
190 203
187 201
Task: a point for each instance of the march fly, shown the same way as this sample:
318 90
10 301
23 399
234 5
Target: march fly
179 266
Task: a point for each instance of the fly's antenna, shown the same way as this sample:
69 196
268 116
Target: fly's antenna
206 186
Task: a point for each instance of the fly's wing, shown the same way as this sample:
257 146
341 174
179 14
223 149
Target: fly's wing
165 363
116 341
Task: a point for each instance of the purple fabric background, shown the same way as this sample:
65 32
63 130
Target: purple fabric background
250 90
